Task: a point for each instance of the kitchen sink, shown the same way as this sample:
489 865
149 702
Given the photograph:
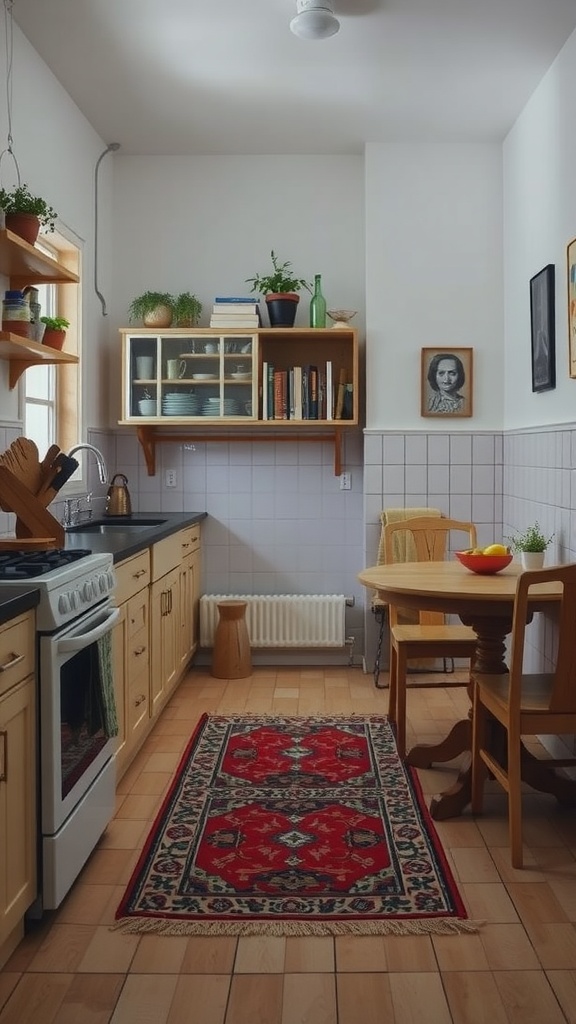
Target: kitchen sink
113 525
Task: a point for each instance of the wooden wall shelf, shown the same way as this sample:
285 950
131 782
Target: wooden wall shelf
24 264
23 352
149 437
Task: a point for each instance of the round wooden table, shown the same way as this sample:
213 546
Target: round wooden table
486 604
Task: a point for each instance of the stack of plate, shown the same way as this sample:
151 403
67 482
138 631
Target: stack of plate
180 404
211 407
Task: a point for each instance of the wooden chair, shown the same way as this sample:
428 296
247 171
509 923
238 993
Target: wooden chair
431 636
379 607
525 704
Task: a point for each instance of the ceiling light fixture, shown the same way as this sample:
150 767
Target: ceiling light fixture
315 19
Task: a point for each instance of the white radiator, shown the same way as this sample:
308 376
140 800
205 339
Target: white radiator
282 620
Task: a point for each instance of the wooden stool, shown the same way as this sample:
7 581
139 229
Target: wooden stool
231 655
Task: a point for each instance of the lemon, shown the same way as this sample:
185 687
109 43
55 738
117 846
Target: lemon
496 549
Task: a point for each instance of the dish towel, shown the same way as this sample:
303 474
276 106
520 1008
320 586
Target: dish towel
106 686
404 549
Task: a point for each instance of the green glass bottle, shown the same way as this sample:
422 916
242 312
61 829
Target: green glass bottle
317 305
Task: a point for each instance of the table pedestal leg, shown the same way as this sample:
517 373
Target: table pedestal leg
489 657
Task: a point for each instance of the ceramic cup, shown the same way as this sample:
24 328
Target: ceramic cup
175 368
147 407
211 346
144 367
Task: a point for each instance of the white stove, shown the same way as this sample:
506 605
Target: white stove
70 582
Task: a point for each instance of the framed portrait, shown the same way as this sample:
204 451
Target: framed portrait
446 382
571 274
542 329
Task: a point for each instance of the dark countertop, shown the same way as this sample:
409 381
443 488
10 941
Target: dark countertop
15 600
122 543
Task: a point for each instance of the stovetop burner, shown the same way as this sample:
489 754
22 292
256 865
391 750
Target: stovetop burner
25 565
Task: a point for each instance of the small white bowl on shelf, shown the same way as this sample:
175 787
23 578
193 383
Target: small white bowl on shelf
341 317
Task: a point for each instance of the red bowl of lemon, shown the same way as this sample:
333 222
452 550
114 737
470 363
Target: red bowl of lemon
486 562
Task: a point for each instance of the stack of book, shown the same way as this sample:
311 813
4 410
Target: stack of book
305 393
235 311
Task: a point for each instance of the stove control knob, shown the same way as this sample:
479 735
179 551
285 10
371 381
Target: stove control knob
111 579
103 583
87 591
74 596
64 604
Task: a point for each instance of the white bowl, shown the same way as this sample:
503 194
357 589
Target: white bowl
204 376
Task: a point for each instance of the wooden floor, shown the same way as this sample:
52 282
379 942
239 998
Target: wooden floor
520 967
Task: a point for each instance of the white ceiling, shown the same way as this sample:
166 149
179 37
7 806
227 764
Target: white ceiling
228 76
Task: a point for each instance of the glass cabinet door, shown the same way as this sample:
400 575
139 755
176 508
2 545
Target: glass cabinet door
200 376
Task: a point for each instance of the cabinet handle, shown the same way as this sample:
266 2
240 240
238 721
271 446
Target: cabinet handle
137 575
139 650
170 602
186 545
14 659
139 700
4 757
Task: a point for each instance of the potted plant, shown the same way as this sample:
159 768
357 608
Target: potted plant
186 309
153 308
280 289
531 546
25 213
55 331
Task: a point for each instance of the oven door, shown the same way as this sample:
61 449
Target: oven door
73 745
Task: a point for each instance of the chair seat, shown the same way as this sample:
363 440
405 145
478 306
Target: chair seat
535 695
441 635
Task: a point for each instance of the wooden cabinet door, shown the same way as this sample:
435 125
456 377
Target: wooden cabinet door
119 655
165 634
17 804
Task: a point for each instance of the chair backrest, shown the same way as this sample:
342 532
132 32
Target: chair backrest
429 536
563 692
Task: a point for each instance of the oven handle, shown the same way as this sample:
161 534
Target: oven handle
77 643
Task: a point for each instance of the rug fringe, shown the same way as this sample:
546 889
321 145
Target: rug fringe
427 926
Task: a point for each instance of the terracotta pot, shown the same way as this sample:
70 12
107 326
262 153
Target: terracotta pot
26 225
54 339
159 317
282 308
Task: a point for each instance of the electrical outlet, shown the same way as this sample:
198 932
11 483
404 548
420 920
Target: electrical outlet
345 481
170 478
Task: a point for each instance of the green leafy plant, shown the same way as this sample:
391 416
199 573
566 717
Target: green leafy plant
281 280
186 309
532 539
55 323
146 303
21 200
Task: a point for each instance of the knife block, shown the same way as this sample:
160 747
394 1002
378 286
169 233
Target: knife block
38 528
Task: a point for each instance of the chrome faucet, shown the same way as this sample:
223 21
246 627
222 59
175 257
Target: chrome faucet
102 471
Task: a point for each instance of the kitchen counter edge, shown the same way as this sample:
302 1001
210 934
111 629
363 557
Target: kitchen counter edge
14 601
123 544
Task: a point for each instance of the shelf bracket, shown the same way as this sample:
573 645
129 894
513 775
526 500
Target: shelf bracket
147 439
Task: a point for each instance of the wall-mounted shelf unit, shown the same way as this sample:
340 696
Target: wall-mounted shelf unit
200 384
25 265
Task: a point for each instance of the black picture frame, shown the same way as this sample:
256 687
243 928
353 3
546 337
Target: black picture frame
542 329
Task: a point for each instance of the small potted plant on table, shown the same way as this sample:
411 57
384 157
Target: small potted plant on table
531 546
25 213
55 331
281 292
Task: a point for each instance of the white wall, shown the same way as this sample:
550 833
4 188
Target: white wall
205 224
57 151
433 276
540 220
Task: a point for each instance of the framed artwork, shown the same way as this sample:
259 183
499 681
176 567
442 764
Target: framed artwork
571 272
446 382
543 343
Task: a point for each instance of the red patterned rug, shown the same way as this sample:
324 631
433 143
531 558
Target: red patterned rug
292 826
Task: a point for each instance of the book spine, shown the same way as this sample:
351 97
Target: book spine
270 389
265 391
340 395
246 300
329 391
280 395
297 392
313 412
